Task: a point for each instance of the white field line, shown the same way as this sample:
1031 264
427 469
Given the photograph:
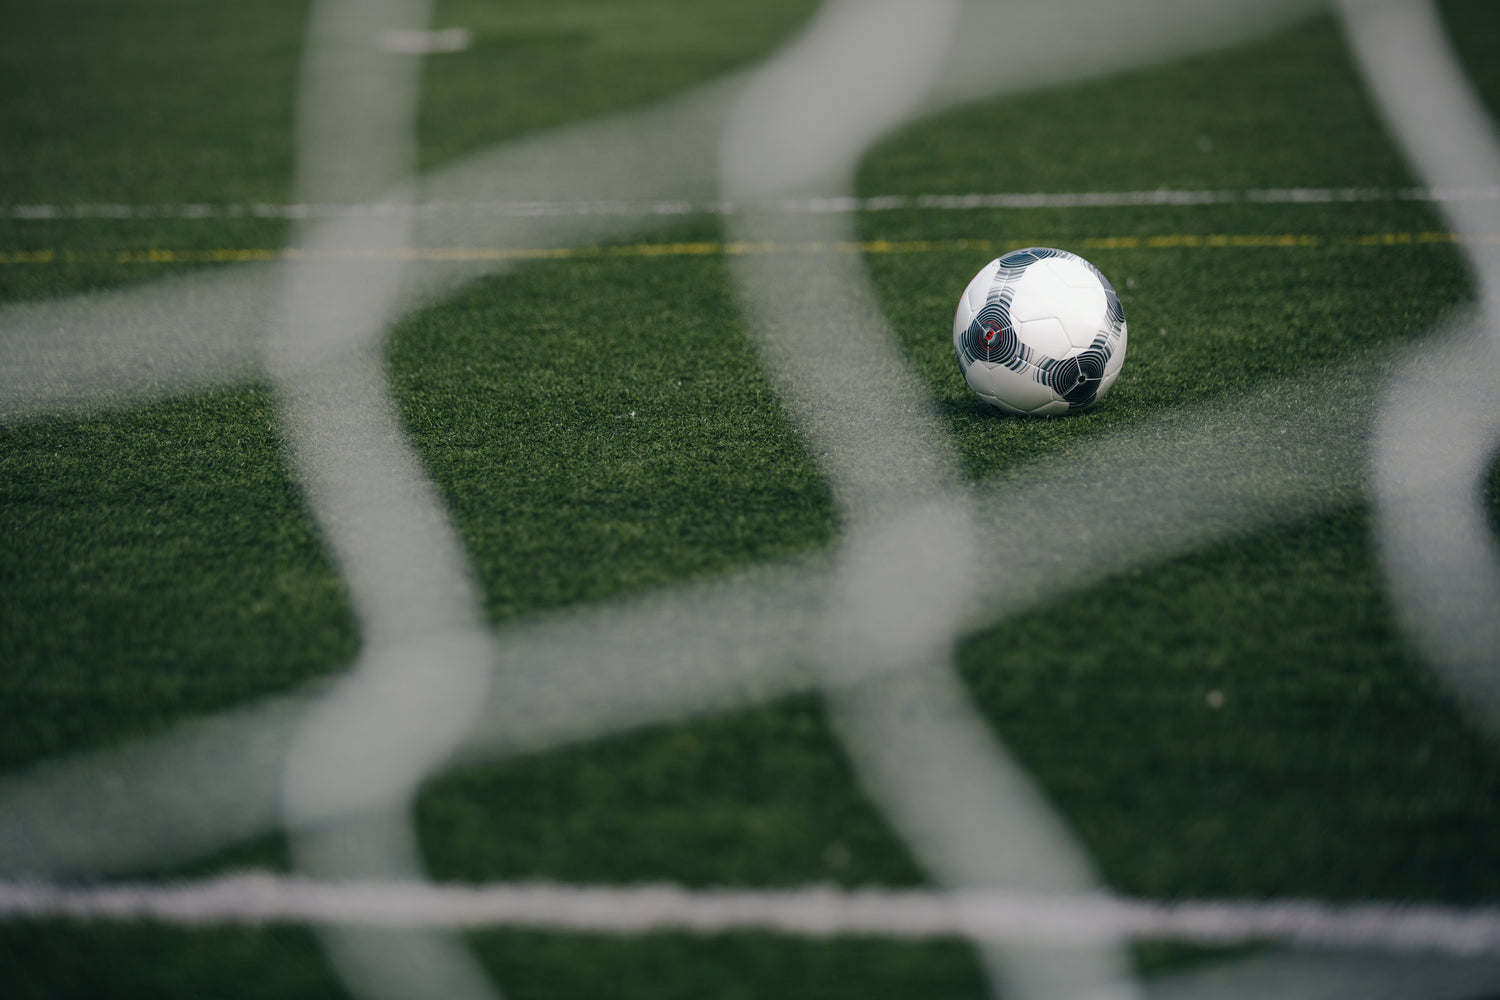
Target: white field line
790 206
816 912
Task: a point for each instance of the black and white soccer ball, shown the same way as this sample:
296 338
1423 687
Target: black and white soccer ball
1041 332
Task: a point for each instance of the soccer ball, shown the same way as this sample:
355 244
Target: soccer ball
1039 331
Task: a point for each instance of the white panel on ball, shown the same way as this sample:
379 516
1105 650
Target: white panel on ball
1018 391
1046 335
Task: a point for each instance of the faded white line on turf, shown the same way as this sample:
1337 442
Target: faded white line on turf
737 248
790 206
1017 918
102 350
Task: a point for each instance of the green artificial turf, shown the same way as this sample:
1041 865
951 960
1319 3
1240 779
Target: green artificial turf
1285 111
762 797
141 103
155 564
71 961
148 101
600 426
1328 764
1244 720
538 63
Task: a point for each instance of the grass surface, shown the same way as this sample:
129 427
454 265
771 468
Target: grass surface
155 564
597 427
539 63
600 426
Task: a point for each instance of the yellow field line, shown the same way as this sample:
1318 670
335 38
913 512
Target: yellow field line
710 249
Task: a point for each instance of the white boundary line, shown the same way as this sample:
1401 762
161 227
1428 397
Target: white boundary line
792 206
808 911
